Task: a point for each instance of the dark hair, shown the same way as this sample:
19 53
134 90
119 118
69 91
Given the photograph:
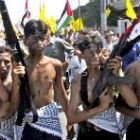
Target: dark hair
35 26
83 43
98 42
75 44
5 49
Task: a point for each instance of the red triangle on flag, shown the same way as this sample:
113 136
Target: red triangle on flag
69 11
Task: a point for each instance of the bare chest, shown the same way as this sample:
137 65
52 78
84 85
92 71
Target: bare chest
90 85
5 111
41 79
137 88
136 85
41 74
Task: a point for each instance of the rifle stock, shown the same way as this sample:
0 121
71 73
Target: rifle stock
11 38
120 49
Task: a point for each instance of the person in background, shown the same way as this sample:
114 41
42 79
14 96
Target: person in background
108 43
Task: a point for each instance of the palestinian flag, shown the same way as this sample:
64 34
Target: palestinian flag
66 17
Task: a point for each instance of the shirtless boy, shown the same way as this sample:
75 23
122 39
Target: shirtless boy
131 118
99 122
44 74
9 84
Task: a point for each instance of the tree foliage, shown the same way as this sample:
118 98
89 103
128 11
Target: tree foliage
90 13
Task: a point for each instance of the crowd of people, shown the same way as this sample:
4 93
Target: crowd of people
62 71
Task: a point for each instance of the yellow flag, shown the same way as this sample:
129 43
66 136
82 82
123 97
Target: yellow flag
78 24
130 11
72 25
51 22
47 21
63 31
42 13
108 12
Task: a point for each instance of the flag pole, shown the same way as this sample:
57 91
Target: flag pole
40 6
103 16
79 11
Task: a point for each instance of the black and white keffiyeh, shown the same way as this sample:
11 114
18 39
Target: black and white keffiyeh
48 121
7 129
124 122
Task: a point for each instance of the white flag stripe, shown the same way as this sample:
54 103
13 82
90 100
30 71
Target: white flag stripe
62 21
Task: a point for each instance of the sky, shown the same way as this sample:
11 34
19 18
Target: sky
53 8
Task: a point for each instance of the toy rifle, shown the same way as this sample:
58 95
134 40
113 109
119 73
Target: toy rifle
11 38
107 78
